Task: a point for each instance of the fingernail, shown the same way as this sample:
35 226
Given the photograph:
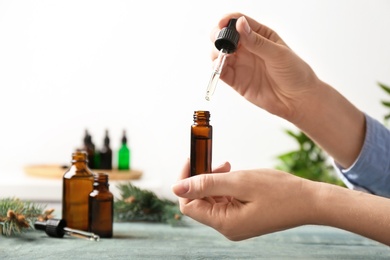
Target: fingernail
222 165
246 25
181 187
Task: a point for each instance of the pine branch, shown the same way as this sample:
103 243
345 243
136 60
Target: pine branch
136 204
18 216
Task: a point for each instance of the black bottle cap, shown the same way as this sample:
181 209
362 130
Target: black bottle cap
124 138
228 37
87 138
106 139
52 227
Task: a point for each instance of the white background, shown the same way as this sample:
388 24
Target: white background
144 66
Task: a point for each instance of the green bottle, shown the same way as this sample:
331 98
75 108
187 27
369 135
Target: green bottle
124 154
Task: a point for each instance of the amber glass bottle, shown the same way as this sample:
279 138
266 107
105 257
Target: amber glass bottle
77 184
101 207
201 143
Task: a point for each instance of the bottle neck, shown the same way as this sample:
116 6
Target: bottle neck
79 160
101 182
202 122
101 186
202 118
80 164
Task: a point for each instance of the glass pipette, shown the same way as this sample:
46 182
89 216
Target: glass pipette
226 43
216 74
81 234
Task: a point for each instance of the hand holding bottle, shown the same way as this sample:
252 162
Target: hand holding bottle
245 204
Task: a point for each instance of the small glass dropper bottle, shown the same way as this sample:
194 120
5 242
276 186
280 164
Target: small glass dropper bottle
201 143
226 43
101 207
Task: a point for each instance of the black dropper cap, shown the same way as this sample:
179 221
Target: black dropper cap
106 139
52 227
124 137
86 139
228 37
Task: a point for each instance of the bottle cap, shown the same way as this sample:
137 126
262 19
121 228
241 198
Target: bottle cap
106 139
124 138
228 37
52 227
100 177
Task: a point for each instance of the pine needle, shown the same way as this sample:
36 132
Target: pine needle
18 216
136 204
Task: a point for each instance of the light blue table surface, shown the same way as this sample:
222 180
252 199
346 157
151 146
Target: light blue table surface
195 241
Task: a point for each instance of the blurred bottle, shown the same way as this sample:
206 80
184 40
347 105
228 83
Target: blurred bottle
124 154
101 207
77 184
89 147
106 154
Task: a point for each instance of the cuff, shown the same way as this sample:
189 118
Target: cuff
371 170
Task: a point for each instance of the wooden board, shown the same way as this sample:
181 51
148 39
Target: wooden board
54 171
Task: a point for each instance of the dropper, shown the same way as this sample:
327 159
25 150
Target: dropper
57 228
226 43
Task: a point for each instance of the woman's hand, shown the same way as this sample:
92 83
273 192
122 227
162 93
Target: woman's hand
265 70
270 75
245 204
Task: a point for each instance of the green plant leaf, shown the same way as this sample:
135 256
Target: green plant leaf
292 134
386 103
384 87
309 161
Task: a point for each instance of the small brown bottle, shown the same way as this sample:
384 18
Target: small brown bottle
101 207
77 184
201 143
106 154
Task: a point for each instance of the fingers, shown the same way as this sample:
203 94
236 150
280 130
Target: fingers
259 39
223 23
185 173
225 167
226 18
212 185
215 31
201 210
255 37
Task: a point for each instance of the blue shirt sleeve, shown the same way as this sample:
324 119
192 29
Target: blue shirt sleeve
371 170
